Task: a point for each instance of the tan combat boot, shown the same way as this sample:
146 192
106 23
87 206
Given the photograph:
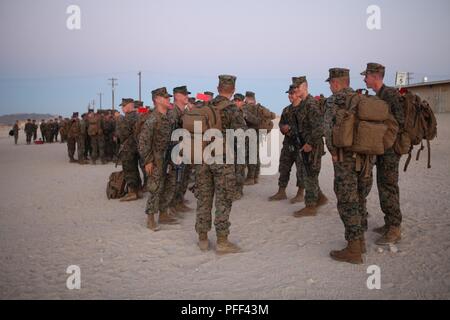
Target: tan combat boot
151 223
392 236
130 196
308 211
166 218
381 230
249 182
323 200
299 197
350 254
224 246
280 195
82 162
72 160
203 242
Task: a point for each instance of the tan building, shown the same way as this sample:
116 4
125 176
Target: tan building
437 93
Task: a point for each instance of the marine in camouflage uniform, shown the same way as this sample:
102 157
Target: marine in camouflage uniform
43 128
253 121
289 152
351 186
129 154
16 131
142 117
97 139
74 139
109 127
239 100
310 132
154 145
216 179
388 163
177 204
35 128
28 130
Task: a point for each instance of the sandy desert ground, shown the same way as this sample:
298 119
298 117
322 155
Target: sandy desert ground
54 214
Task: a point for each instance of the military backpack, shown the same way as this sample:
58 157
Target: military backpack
420 125
115 188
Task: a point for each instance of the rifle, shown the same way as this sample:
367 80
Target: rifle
179 168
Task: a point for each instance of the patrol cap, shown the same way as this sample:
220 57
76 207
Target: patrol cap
181 89
138 104
160 92
338 73
296 81
192 100
126 101
291 89
250 94
74 115
239 97
373 67
226 79
209 93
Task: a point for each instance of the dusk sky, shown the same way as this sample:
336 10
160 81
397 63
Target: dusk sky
47 68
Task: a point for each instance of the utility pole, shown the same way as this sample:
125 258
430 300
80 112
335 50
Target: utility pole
409 77
140 74
100 95
93 104
113 84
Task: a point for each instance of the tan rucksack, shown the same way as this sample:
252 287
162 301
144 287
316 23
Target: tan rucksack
365 126
94 126
115 188
420 125
209 116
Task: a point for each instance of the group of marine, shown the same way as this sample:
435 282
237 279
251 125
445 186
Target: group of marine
141 137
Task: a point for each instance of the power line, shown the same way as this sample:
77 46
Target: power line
113 85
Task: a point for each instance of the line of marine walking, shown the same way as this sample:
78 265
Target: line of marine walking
359 132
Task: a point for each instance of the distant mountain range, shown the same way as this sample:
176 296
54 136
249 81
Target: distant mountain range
10 119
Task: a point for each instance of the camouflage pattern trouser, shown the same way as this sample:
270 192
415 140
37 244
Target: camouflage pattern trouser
352 189
98 147
109 146
218 180
34 135
29 136
253 169
311 180
240 177
181 187
288 157
388 190
75 143
161 187
16 138
130 163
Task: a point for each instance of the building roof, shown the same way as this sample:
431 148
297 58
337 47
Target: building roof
425 84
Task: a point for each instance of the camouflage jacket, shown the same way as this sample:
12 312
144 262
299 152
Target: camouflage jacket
392 97
288 118
334 102
28 127
155 138
125 132
310 122
251 115
176 115
74 128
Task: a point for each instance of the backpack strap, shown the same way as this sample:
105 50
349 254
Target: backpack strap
429 154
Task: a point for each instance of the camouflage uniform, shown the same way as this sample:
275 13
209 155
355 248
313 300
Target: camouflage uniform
154 141
16 132
181 186
74 140
95 132
128 153
217 179
253 122
388 163
29 131
35 127
289 151
109 127
43 128
351 187
240 167
310 128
